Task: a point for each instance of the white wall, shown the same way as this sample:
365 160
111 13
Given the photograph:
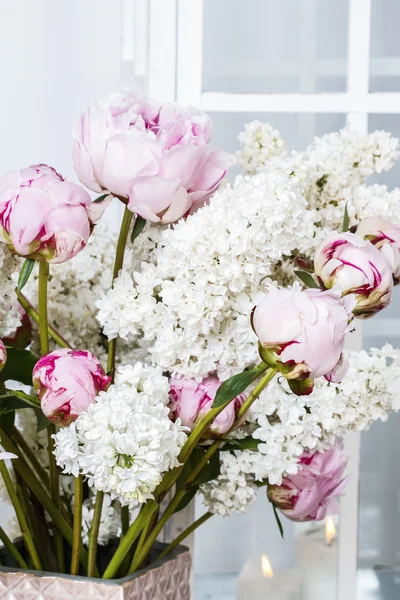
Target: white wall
56 56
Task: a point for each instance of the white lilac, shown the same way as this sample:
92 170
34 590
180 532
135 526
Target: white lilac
126 441
193 304
259 143
232 492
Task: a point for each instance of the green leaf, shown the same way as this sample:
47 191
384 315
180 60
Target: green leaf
187 499
101 198
137 228
307 279
42 420
346 219
19 366
278 521
210 471
234 386
189 465
9 403
26 270
247 443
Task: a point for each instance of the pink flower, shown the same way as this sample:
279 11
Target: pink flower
191 400
67 382
156 156
3 355
356 267
385 236
311 494
301 333
42 216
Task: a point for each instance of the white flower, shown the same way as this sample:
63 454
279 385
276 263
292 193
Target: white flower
259 143
125 441
192 304
110 521
232 491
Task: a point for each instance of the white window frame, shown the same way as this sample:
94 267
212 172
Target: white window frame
167 46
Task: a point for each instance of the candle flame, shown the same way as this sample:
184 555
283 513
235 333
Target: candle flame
330 531
266 566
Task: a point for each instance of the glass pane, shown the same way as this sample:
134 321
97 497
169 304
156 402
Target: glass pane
385 46
298 130
263 46
388 123
379 509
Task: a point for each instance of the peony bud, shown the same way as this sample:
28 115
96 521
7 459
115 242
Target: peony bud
301 333
354 266
191 400
156 156
42 216
386 237
311 494
3 355
67 382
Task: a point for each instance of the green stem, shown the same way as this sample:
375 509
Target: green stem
77 531
26 534
94 533
42 305
180 494
33 313
186 533
30 456
125 518
126 542
119 261
55 494
171 477
20 441
12 549
51 430
260 387
145 549
35 486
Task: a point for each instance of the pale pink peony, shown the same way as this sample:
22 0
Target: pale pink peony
3 355
385 236
191 400
156 156
43 216
354 266
311 495
301 333
67 382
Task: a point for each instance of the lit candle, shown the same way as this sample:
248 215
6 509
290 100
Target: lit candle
316 552
257 581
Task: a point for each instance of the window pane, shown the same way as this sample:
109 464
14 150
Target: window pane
298 130
385 46
379 508
263 46
388 123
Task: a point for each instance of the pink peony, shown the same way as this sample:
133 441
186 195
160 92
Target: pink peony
3 355
354 266
311 494
301 333
67 382
385 236
191 400
156 156
42 216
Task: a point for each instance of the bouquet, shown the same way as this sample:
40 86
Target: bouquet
200 352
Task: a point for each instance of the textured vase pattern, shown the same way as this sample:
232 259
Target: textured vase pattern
166 580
